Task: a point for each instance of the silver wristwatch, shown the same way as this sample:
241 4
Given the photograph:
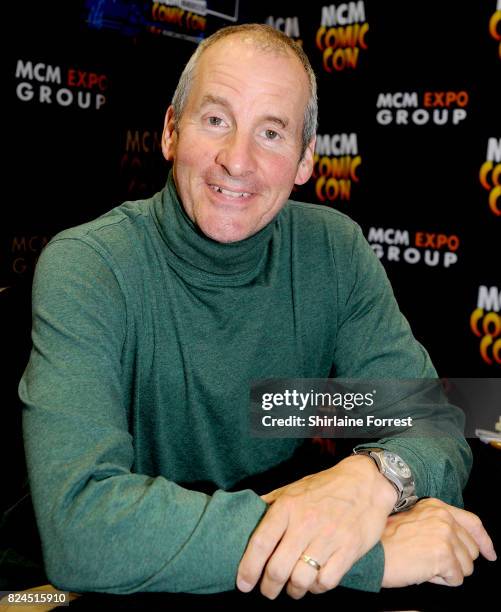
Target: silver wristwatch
397 472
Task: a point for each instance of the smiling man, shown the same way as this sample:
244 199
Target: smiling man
236 142
149 324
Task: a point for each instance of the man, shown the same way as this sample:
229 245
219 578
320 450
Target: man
149 324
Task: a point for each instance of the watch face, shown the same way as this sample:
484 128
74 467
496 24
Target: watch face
397 465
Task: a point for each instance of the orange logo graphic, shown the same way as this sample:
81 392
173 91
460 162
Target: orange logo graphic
485 323
495 27
490 174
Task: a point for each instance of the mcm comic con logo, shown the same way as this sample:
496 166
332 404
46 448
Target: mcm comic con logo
342 36
495 26
485 323
186 19
287 25
174 15
490 175
336 166
140 161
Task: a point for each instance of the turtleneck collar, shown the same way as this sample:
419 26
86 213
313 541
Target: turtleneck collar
196 256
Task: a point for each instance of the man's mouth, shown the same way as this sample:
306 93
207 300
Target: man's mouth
229 193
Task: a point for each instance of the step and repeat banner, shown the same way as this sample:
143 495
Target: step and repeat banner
408 145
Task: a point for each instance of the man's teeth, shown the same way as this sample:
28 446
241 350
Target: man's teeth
232 194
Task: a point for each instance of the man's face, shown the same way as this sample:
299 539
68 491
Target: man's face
236 151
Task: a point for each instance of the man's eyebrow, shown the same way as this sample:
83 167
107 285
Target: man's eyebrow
283 122
210 99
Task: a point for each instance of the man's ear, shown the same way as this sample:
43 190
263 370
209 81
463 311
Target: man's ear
169 135
305 168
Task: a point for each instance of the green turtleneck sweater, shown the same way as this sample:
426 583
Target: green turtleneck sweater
145 337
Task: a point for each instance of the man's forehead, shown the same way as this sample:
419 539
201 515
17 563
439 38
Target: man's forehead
250 43
245 48
231 59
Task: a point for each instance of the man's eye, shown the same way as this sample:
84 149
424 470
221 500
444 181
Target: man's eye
271 135
215 121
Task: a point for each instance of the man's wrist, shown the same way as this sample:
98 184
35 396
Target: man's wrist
383 492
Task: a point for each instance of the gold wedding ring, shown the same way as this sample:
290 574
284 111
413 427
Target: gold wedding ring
310 561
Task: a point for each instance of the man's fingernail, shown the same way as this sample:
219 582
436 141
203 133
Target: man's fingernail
494 555
243 586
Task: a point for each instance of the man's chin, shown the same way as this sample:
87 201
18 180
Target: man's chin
225 234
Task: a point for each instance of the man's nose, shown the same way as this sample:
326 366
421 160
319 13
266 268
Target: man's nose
237 154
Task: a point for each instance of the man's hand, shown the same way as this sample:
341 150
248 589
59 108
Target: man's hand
433 542
334 516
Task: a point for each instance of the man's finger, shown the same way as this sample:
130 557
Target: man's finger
453 575
474 527
332 571
260 547
305 573
468 541
270 497
296 592
462 552
282 562
438 580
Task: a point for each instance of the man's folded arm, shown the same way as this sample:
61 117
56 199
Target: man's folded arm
103 527
375 342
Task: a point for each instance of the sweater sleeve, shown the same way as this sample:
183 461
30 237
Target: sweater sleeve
103 527
375 341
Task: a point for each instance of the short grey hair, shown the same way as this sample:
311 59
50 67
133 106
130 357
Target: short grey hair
268 39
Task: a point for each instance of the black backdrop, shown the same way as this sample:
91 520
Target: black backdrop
408 145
